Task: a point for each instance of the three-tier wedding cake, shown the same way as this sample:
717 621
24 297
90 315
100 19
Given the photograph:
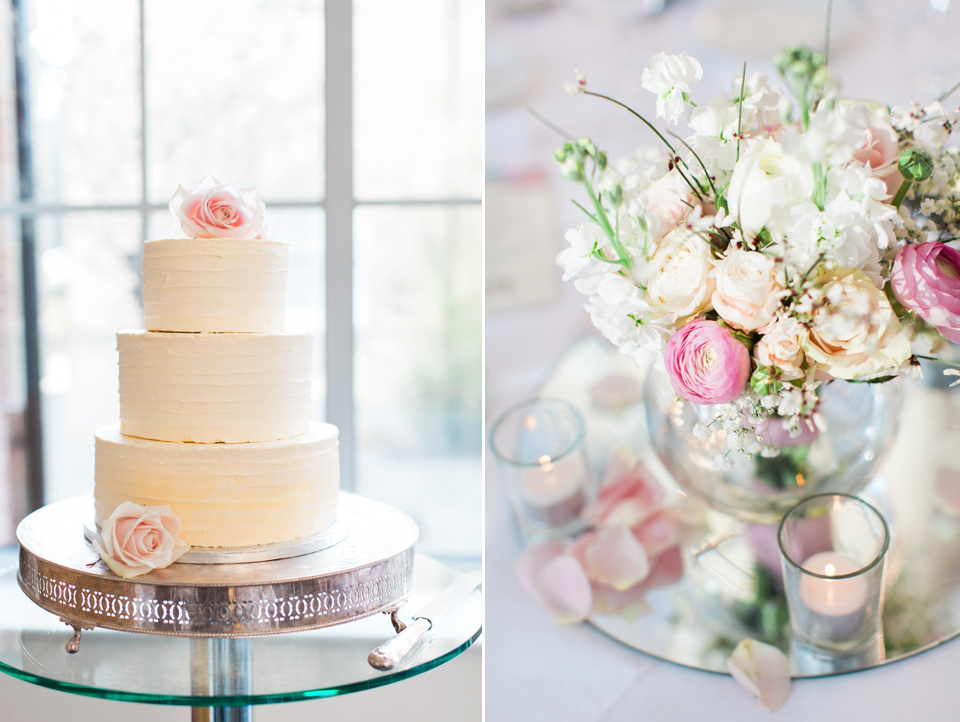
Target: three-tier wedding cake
214 394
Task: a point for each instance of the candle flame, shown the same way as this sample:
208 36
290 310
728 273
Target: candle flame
545 459
830 570
530 422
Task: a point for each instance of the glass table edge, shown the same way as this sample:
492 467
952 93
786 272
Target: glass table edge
242 700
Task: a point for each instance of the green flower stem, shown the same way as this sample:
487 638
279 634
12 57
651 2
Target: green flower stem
819 185
948 93
743 85
694 154
955 364
653 128
901 193
622 256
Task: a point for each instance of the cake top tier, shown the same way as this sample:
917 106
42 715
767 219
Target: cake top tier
226 277
212 209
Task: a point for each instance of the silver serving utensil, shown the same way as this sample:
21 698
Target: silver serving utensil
389 654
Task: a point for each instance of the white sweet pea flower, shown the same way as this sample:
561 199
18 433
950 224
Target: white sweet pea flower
669 77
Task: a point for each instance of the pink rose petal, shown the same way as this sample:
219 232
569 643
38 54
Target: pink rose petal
616 558
532 561
657 533
763 671
631 603
627 500
565 590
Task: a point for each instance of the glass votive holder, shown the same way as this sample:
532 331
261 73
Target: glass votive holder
538 444
834 583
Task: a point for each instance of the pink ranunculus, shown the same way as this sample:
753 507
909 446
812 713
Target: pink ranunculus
137 539
706 363
926 280
212 209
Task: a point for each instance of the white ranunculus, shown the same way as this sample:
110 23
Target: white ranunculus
765 183
747 290
669 77
680 275
855 332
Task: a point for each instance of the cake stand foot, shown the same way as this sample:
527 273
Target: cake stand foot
73 645
395 620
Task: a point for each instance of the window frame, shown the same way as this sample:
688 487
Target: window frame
339 204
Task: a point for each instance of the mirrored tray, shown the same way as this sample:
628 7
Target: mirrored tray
728 591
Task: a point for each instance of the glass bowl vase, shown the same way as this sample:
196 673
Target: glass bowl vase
861 420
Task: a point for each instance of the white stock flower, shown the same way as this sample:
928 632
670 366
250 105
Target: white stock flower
747 290
766 182
680 275
669 77
577 261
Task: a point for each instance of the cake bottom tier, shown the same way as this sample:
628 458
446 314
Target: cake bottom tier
226 495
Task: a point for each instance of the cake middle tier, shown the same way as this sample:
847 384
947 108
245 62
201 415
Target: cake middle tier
209 388
226 495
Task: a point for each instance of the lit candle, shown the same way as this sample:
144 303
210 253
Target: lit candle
553 491
836 607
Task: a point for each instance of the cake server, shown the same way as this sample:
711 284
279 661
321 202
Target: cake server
389 654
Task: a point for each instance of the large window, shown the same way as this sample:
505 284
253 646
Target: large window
361 125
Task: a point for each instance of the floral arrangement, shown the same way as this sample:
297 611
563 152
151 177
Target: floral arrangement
793 238
137 539
212 209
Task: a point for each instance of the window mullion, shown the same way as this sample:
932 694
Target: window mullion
339 342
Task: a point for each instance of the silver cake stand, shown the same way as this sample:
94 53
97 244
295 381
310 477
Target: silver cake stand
365 568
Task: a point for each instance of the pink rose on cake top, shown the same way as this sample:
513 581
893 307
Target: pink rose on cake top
212 209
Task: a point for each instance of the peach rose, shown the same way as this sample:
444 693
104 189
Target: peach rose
137 539
781 347
747 290
214 210
854 332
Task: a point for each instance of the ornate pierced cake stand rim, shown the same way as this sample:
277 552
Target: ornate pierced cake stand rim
370 571
262 553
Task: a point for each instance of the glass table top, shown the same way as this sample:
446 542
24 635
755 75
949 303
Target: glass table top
225 672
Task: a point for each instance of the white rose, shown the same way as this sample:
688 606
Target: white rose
669 199
781 347
765 183
747 292
679 277
854 332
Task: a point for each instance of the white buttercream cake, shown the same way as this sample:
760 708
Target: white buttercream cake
215 284
214 387
215 401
